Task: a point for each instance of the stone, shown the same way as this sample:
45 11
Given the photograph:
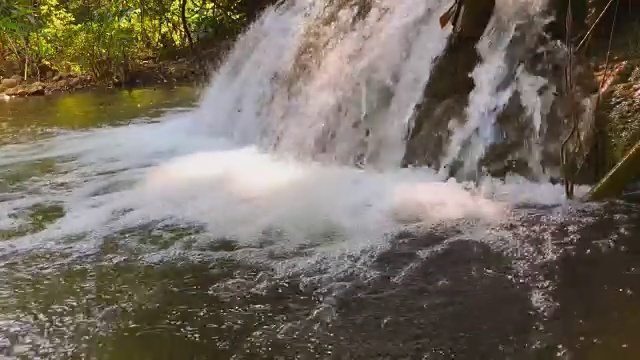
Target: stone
22 91
9 83
74 82
46 70
11 92
35 89
17 78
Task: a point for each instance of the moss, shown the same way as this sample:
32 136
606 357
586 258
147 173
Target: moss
619 110
11 177
34 219
162 237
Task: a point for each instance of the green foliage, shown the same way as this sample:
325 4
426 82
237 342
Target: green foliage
104 37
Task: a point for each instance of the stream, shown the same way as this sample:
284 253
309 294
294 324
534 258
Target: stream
81 280
230 222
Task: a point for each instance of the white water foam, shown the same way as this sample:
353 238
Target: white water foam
127 177
224 179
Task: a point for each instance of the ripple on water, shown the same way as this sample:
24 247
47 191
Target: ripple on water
189 248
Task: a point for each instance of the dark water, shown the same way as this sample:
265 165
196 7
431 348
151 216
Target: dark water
567 290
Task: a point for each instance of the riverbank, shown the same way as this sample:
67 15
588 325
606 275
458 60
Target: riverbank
146 74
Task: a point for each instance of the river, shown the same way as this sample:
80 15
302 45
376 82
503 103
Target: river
229 222
558 280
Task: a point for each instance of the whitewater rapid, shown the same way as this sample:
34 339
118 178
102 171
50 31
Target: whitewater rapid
244 164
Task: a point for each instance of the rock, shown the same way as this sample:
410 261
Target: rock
21 91
74 82
17 78
46 71
35 89
11 92
9 83
56 78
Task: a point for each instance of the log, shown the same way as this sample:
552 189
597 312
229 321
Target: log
614 183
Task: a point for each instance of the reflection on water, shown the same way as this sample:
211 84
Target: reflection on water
172 291
23 119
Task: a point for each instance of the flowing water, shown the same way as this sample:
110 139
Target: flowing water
149 225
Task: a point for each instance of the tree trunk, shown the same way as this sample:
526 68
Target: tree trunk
185 25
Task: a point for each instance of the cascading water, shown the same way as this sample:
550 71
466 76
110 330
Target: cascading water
262 171
327 83
339 81
336 79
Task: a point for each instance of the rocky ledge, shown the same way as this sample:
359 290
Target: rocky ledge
16 86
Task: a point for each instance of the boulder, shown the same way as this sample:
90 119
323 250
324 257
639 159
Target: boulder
17 78
9 83
11 92
74 82
35 89
46 71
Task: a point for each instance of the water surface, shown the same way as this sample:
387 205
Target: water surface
127 231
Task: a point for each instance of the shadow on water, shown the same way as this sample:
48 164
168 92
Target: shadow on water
598 288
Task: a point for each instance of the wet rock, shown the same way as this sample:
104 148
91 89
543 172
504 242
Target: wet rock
531 56
445 96
21 91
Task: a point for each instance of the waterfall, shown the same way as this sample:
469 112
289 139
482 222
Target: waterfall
332 80
338 81
311 89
